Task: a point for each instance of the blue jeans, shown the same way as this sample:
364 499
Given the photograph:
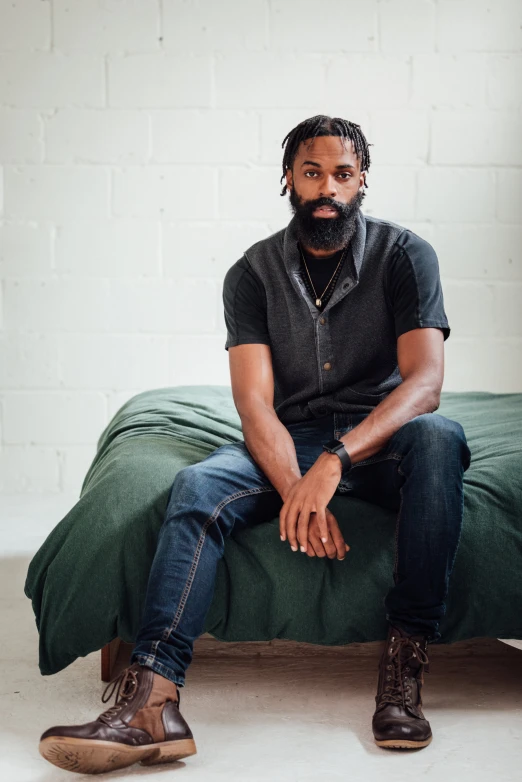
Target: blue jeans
419 473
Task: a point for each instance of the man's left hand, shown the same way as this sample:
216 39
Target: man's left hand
310 495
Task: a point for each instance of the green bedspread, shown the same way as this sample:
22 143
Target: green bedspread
87 581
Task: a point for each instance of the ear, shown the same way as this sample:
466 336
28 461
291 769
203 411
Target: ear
289 179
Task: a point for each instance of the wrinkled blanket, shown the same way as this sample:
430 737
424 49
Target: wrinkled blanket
87 582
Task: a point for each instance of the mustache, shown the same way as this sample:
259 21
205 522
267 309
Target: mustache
310 206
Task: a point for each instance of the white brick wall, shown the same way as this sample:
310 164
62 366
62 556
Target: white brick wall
140 154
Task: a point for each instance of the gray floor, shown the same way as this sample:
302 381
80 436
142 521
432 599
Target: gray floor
276 711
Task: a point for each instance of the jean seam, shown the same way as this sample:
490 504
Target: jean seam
195 560
148 660
370 460
396 563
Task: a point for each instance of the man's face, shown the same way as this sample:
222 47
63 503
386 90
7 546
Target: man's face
326 190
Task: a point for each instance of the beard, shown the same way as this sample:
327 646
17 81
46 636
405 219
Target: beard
325 233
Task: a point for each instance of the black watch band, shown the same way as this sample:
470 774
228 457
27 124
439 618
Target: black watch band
337 447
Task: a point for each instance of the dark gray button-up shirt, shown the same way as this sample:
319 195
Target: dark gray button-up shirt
343 358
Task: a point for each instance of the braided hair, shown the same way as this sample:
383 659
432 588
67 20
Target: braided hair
323 125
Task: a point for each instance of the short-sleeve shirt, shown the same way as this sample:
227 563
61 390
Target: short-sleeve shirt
341 356
412 287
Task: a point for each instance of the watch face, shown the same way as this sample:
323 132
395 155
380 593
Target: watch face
333 445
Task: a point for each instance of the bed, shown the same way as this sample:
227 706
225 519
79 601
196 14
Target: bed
87 581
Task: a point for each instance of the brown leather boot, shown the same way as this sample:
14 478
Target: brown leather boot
144 725
398 721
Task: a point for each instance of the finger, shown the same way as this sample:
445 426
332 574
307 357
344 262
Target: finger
330 548
302 527
340 545
315 543
282 527
322 523
291 532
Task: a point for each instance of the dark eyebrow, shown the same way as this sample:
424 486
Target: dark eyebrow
318 165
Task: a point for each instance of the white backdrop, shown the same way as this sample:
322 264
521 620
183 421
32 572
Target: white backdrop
140 145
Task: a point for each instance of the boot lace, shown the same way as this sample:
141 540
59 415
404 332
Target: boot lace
397 689
127 685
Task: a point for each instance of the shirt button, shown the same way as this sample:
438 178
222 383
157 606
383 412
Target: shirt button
322 321
327 365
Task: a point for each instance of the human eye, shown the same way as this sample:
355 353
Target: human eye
345 174
310 172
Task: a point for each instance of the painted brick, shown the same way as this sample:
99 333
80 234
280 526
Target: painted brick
39 418
165 192
204 136
25 249
28 469
207 249
21 136
29 361
159 81
509 196
56 192
448 81
369 81
53 305
476 138
469 307
25 25
483 365
479 25
87 136
268 80
199 360
487 252
89 25
504 77
40 80
407 25
119 247
455 195
106 362
204 25
161 306
297 26
244 192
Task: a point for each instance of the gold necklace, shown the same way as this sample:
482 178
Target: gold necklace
318 301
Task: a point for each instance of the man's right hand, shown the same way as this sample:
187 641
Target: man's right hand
334 546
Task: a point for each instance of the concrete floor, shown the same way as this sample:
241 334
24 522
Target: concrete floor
277 711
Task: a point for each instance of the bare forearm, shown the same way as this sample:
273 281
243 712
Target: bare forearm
410 399
271 446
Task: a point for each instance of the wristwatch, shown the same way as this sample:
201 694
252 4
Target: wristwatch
337 446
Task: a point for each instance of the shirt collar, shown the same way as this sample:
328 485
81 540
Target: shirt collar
349 276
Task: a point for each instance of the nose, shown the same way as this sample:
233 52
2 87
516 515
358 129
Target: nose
330 188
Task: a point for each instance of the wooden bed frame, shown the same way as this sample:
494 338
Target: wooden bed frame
115 656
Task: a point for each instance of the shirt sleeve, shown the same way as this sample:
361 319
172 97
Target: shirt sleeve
244 301
413 286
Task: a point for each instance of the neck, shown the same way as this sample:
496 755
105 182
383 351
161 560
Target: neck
321 253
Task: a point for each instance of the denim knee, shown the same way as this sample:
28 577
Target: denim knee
436 433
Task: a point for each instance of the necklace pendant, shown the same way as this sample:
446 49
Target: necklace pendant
318 302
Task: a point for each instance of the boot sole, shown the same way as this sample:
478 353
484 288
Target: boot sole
87 756
403 743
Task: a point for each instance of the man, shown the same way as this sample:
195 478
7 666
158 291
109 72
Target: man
336 327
